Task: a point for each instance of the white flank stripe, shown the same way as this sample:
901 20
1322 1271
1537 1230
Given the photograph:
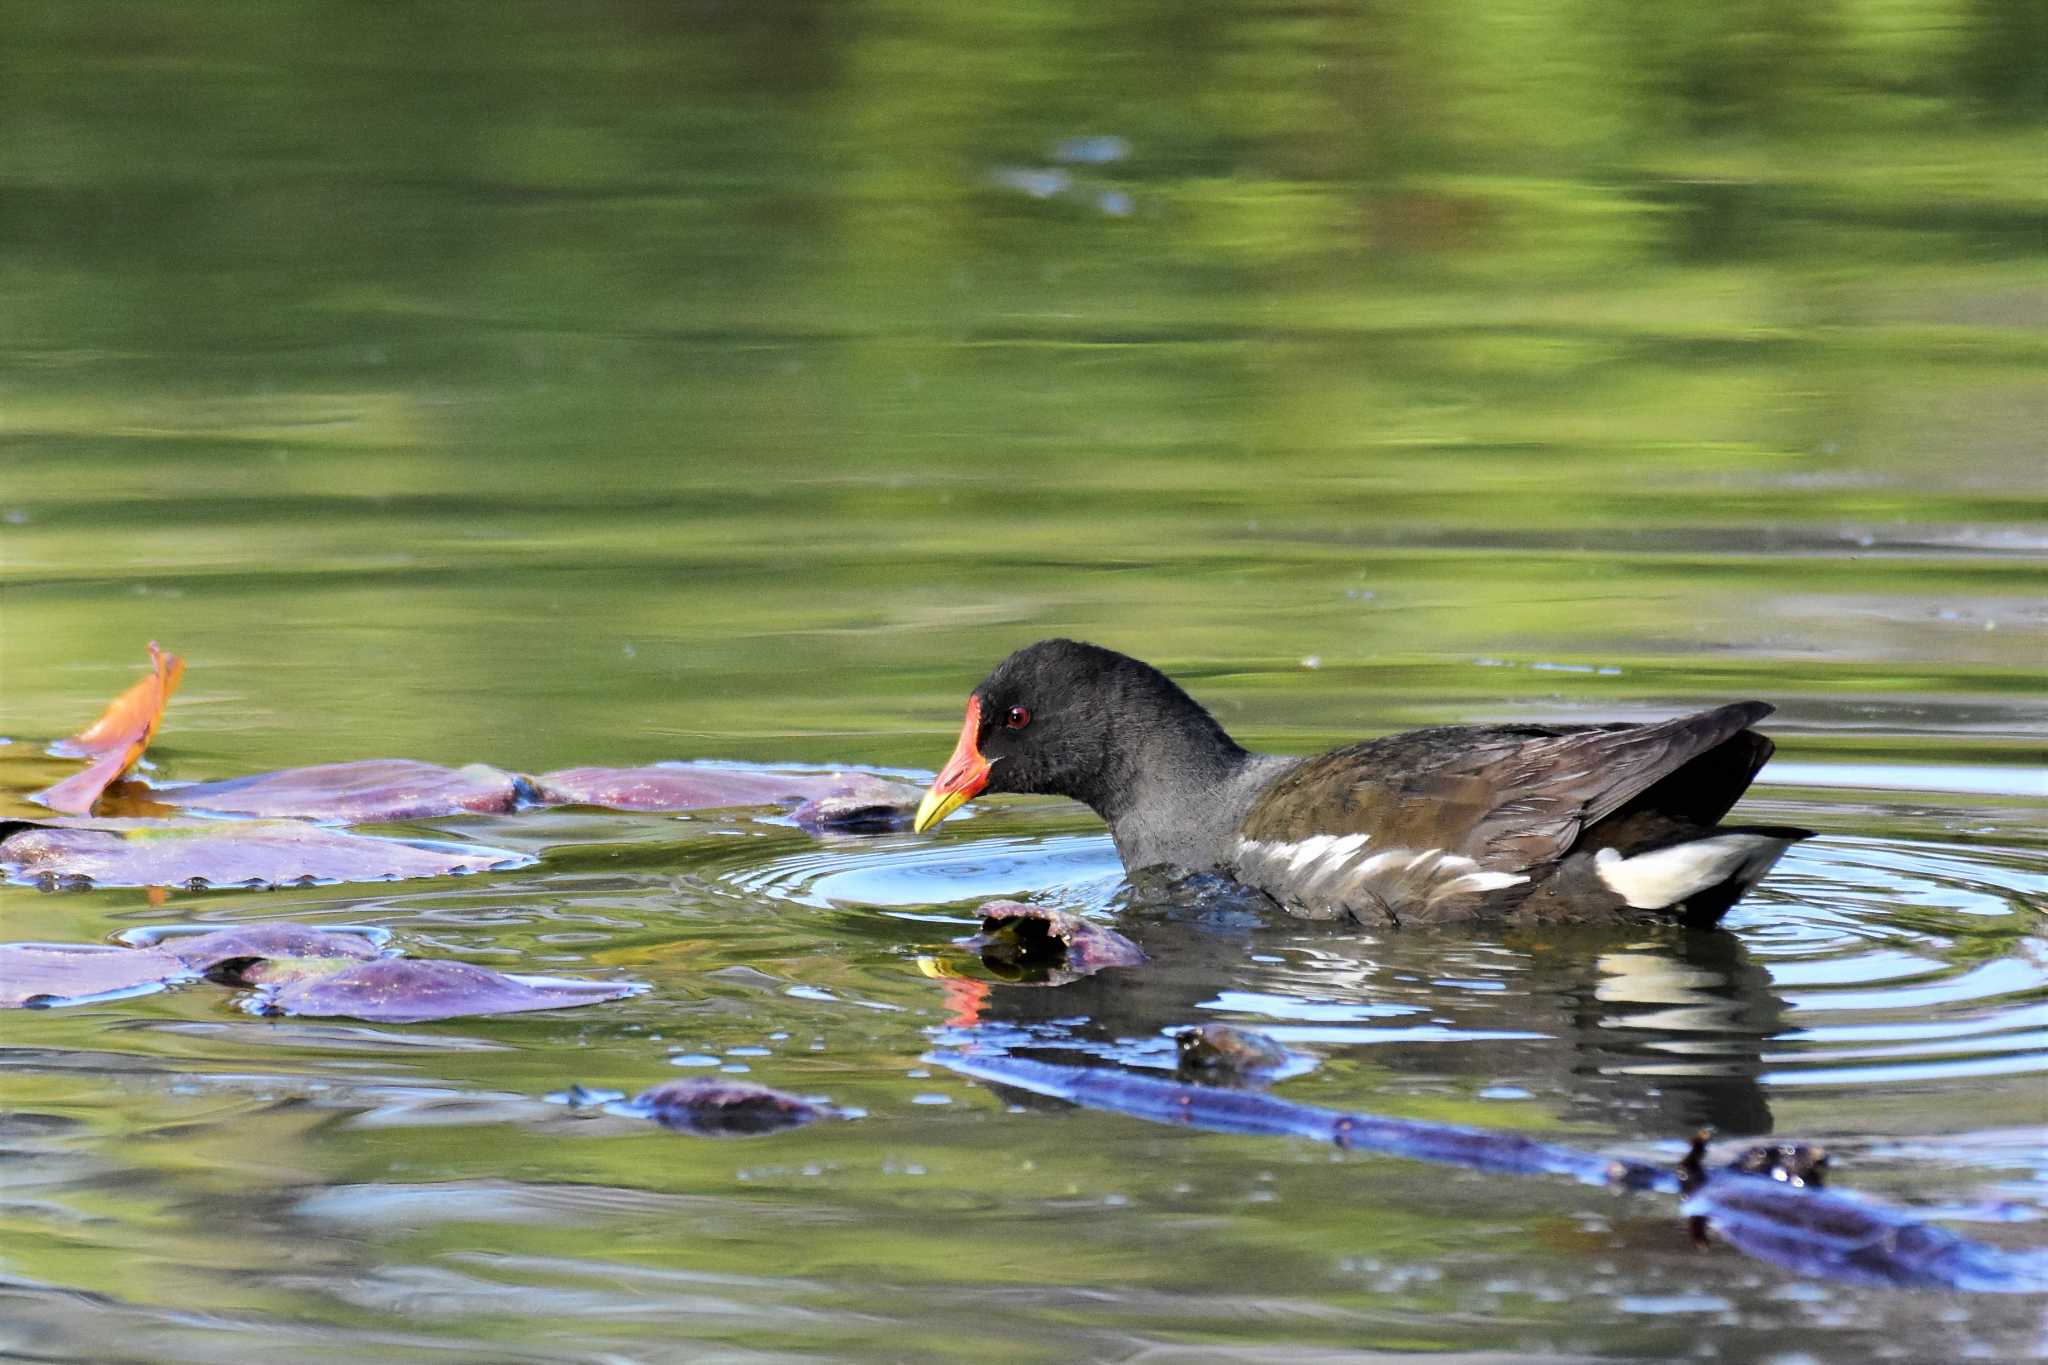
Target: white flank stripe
1324 848
1329 865
1380 863
1309 850
1335 871
1347 846
1475 882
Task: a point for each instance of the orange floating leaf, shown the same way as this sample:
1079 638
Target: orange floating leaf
117 738
134 713
75 794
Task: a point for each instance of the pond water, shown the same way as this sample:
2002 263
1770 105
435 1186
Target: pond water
617 383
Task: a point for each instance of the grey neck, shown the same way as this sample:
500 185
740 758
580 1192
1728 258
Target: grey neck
1177 815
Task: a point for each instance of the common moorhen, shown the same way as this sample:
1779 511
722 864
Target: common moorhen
1557 821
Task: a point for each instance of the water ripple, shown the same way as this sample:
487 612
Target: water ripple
897 873
1863 961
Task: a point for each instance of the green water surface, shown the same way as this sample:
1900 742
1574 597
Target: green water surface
541 384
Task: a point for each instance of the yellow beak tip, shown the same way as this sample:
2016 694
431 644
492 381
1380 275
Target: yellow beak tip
935 807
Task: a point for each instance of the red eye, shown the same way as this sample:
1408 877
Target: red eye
1018 718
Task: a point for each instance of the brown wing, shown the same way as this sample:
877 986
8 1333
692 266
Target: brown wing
1508 797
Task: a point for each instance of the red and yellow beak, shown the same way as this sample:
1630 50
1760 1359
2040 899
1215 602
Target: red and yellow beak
965 774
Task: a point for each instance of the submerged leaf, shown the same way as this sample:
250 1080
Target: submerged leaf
1818 1231
853 813
363 792
67 853
1795 1163
711 1107
117 738
1810 1230
1246 1111
580 1096
1224 1054
397 990
1036 946
37 974
706 786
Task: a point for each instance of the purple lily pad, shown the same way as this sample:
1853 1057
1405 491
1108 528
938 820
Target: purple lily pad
39 974
711 1107
275 972
61 853
1032 945
373 789
704 786
397 990
204 952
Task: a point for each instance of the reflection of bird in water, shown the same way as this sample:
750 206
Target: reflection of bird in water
1656 1031
1551 822
1672 1025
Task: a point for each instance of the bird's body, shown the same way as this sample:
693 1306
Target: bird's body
1433 825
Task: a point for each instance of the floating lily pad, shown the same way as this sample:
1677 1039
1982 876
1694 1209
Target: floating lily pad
370 790
41 974
673 787
711 1107
1036 946
296 969
117 738
279 971
271 943
396 990
199 853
